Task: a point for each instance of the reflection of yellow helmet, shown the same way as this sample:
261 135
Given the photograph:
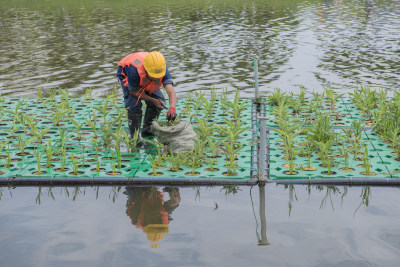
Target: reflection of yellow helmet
154 63
155 232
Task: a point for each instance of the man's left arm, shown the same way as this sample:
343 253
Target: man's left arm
169 88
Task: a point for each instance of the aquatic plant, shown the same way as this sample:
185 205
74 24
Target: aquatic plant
365 99
235 108
208 109
198 101
58 116
321 130
38 134
2 145
118 138
302 94
176 160
154 164
213 95
366 163
45 101
16 111
63 137
231 130
324 148
37 154
88 95
394 137
12 130
346 161
158 159
39 96
131 143
106 133
193 163
213 146
8 160
276 97
332 98
47 149
74 164
203 128
95 144
281 111
92 122
296 107
77 130
63 159
211 162
104 110
23 143
230 157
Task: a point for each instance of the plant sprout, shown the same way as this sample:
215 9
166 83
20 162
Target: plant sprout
23 143
94 140
63 137
37 154
366 163
152 159
77 129
48 152
12 131
74 164
2 145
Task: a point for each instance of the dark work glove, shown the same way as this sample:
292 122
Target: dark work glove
171 114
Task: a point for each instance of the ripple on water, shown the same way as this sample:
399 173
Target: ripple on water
343 43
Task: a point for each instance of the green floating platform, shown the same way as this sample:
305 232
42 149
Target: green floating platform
384 164
17 169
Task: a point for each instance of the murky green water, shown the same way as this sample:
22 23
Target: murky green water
304 226
76 44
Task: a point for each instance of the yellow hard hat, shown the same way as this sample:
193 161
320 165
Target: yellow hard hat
154 63
156 232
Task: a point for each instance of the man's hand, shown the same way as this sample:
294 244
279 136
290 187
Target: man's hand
159 104
171 114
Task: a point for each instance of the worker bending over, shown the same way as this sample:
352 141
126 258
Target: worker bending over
141 76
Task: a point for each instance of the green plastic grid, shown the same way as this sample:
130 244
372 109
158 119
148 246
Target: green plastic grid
29 165
276 160
348 110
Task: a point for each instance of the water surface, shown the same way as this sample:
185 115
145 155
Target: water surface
76 44
304 226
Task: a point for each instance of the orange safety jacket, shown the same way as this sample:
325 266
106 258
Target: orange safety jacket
136 60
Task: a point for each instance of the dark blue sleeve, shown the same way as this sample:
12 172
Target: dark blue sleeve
133 77
167 79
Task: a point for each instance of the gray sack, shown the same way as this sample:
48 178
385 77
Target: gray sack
178 138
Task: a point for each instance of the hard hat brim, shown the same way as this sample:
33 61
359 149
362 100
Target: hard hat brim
156 75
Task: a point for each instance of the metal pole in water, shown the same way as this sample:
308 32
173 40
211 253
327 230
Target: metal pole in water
262 152
256 91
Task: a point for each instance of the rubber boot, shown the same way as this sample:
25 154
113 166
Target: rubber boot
134 122
151 114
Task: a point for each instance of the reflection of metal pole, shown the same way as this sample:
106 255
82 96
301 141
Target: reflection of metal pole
256 92
263 241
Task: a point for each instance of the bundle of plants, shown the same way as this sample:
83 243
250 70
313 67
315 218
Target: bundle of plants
177 138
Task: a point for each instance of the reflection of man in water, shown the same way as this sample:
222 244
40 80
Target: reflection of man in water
148 211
